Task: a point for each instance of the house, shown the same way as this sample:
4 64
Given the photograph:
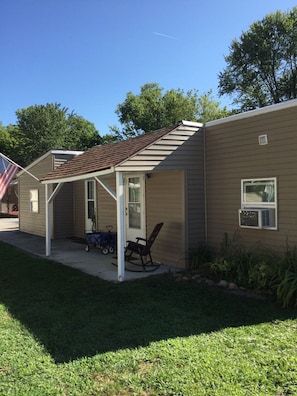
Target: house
251 176
233 175
134 184
32 196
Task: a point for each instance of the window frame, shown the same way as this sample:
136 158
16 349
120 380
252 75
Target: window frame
259 204
34 200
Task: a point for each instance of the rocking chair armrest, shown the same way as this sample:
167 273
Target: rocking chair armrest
134 243
141 239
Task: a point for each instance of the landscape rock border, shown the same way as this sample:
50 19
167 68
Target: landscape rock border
223 284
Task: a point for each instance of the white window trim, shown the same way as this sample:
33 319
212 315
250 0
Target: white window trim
34 202
262 205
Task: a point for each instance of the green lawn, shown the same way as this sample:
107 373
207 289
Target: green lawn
66 333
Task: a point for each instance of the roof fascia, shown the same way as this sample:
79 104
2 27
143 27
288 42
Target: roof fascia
252 113
192 123
85 176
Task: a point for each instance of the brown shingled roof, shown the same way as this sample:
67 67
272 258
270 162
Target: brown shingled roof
103 157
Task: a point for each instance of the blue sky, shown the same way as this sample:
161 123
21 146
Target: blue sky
87 54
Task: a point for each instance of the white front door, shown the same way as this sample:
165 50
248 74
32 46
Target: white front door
135 207
90 194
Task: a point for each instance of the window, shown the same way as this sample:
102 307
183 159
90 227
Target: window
91 199
34 201
134 203
258 203
259 192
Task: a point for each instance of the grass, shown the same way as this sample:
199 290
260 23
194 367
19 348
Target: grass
63 332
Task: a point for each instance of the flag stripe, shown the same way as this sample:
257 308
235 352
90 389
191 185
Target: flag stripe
8 173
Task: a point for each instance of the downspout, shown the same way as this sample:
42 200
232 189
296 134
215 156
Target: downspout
205 185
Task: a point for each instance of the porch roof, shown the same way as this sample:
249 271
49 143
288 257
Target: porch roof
104 159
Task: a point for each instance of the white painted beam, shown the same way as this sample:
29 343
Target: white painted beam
47 222
107 188
120 226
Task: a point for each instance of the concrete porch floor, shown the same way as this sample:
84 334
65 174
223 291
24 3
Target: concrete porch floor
69 252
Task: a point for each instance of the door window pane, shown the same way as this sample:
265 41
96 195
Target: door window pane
134 205
134 215
91 190
134 189
91 209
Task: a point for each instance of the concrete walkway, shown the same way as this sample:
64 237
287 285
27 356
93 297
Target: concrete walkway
68 252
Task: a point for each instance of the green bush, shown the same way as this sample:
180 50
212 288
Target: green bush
287 289
198 257
257 268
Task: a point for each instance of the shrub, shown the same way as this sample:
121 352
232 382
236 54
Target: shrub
287 289
198 257
257 268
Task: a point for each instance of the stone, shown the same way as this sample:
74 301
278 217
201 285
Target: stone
223 283
232 286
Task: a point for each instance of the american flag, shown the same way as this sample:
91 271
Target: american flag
7 173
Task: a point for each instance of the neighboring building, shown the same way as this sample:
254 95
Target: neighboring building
32 198
233 175
9 202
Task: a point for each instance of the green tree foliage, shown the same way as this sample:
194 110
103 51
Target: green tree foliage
153 109
6 140
82 133
262 65
43 127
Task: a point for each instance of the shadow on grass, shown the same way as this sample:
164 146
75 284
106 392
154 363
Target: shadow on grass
75 315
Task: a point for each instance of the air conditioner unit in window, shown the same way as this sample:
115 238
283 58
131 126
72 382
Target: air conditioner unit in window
255 218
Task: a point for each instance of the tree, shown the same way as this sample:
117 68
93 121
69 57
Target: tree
82 133
44 127
262 65
5 140
8 142
152 109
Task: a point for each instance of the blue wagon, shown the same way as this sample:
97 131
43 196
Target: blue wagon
106 241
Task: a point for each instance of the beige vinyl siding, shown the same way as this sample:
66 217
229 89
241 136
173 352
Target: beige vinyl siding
161 153
63 212
181 150
33 223
106 206
79 208
233 154
194 185
189 157
165 203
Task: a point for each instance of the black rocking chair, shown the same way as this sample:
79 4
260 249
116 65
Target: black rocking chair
141 250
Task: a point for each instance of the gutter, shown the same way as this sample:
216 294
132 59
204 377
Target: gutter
252 113
83 176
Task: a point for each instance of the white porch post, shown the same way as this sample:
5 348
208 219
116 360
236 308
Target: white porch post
47 222
120 226
48 204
